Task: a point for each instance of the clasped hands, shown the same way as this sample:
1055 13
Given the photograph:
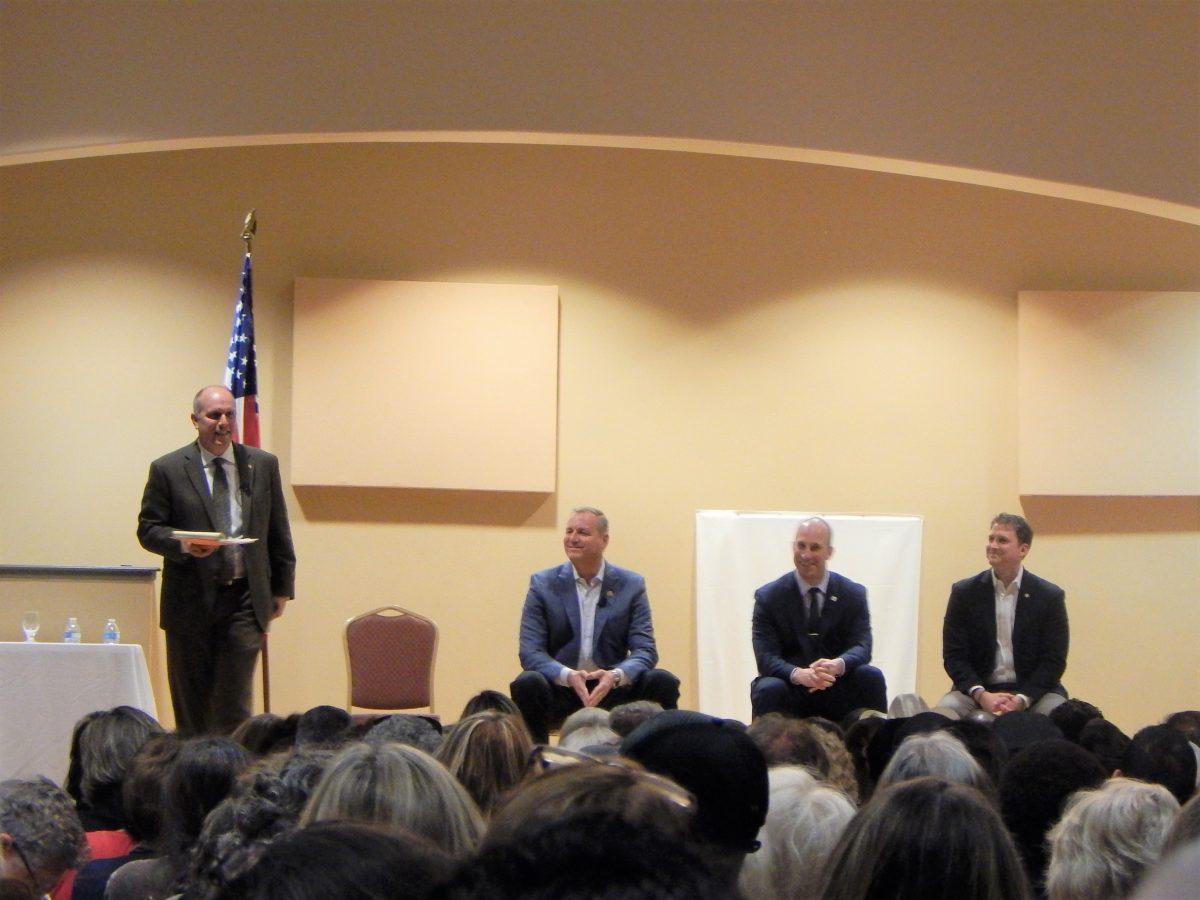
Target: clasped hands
821 674
605 681
999 702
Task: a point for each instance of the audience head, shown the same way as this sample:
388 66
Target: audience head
399 787
588 855
1187 721
1186 829
788 741
1035 785
715 760
106 748
1162 755
12 889
925 839
1105 741
591 739
587 717
628 716
1176 876
406 728
983 744
202 775
1018 730
805 819
573 783
322 725
266 804
489 699
40 833
265 733
142 790
935 753
488 753
344 860
74 781
1071 715
1106 838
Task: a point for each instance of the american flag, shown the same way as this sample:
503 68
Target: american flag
241 369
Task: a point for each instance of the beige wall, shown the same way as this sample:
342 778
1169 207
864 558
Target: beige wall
734 334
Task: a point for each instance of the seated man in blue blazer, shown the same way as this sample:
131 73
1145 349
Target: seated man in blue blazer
812 637
1005 635
586 636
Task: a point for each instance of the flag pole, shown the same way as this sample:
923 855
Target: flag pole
249 227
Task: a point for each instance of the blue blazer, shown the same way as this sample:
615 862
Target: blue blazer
781 643
550 629
1040 634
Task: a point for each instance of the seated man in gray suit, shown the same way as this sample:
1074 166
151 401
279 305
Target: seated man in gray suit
1005 635
586 636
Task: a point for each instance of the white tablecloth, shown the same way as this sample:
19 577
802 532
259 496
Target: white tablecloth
45 688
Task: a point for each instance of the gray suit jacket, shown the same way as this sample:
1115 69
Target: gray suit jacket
177 497
550 628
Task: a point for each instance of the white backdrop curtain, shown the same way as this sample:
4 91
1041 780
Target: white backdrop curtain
738 552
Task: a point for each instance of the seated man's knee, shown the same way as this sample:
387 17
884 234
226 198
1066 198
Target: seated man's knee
527 684
769 694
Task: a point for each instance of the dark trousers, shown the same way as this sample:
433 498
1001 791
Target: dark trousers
211 669
544 704
864 688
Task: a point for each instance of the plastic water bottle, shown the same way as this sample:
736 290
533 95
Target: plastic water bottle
112 634
72 634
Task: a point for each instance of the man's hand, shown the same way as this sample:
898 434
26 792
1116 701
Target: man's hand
998 703
812 678
577 681
200 547
280 606
605 682
835 667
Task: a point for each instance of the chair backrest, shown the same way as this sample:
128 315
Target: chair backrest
390 654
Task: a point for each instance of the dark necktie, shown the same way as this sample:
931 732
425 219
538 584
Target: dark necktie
813 616
220 498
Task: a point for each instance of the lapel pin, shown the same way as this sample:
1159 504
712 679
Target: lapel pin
608 594
833 599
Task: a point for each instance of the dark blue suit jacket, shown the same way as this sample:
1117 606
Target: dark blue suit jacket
781 643
1040 634
550 629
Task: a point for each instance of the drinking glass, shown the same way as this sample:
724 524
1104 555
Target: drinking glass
30 625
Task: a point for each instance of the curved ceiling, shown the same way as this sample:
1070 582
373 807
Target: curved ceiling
1096 100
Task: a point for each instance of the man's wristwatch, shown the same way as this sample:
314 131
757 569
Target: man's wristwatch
618 677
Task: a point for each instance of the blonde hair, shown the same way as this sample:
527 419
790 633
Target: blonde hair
397 786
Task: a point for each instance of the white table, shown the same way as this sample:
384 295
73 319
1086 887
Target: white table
46 688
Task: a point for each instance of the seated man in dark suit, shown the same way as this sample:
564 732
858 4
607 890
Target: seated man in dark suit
812 637
586 636
1005 635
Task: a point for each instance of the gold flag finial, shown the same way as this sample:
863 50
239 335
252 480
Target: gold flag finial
248 228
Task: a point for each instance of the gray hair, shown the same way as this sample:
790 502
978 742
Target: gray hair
935 753
1106 838
601 518
107 746
589 736
805 819
41 819
406 728
397 786
587 717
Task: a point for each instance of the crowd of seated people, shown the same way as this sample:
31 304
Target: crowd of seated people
632 802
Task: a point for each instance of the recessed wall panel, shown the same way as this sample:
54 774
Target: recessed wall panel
1109 393
425 385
